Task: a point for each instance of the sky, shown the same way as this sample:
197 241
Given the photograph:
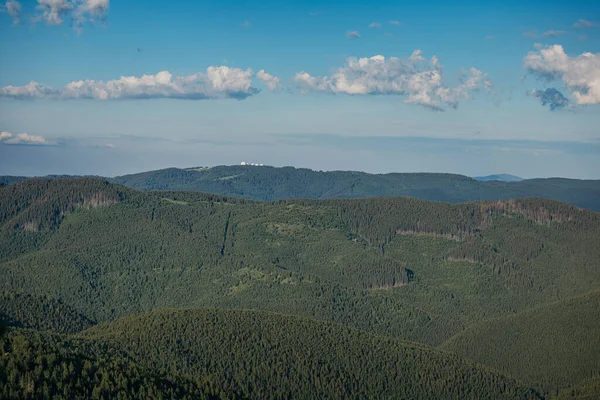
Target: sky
114 87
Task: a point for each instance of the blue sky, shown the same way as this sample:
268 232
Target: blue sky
514 86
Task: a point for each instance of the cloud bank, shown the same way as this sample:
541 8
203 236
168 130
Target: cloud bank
414 77
216 83
580 74
24 139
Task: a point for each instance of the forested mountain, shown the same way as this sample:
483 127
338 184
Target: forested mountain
75 253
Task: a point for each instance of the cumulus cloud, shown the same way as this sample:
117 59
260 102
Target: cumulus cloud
550 33
551 97
14 9
272 82
414 77
215 83
24 139
582 23
397 23
374 25
353 35
580 74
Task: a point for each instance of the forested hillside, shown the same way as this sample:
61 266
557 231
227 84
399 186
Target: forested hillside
80 252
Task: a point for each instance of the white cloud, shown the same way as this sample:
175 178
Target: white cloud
14 9
216 82
24 139
353 35
397 23
54 12
374 25
581 74
582 23
246 24
272 82
414 77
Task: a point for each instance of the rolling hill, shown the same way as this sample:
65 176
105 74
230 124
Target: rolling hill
75 253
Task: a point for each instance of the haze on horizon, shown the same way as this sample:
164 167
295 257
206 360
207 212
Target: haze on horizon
110 88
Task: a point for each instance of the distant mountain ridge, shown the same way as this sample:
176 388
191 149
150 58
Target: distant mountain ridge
499 177
271 184
275 183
